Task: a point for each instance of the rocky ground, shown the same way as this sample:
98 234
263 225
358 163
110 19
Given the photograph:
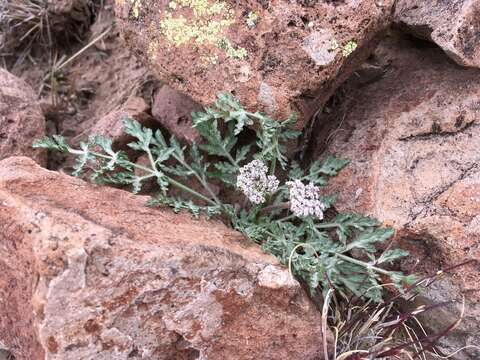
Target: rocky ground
89 272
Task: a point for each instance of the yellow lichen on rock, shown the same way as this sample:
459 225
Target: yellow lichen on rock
206 26
136 4
349 48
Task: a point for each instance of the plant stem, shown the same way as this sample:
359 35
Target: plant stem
362 263
230 158
327 225
287 218
280 206
153 172
272 166
187 189
199 178
152 162
355 261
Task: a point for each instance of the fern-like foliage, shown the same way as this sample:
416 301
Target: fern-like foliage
318 251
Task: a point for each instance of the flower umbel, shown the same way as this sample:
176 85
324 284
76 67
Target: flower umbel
255 183
305 199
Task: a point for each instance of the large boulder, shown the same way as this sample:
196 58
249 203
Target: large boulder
413 138
452 25
91 273
21 119
278 57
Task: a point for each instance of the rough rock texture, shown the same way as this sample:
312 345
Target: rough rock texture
21 119
413 138
453 25
173 110
111 125
91 273
276 56
106 85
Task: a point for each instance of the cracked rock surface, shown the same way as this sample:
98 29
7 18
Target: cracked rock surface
413 138
453 25
91 273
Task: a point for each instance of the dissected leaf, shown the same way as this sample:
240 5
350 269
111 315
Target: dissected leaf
392 255
178 205
318 253
56 142
332 166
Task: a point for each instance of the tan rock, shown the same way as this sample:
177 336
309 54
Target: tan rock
277 57
413 139
452 25
90 272
21 119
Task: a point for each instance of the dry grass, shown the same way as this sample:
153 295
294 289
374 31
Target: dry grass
385 331
23 23
26 25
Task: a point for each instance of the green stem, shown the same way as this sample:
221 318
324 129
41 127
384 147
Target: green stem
287 218
355 261
193 192
153 173
230 158
272 166
199 178
152 161
364 264
327 225
279 206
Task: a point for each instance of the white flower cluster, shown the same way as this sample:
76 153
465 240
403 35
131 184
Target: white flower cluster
305 199
255 183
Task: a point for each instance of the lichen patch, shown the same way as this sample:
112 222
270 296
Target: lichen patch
136 8
202 23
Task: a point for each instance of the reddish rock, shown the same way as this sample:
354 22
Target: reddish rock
111 125
278 57
452 25
173 110
21 119
110 85
90 272
413 139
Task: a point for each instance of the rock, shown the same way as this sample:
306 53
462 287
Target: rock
452 25
21 119
90 272
276 57
105 86
111 125
4 355
173 110
413 138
